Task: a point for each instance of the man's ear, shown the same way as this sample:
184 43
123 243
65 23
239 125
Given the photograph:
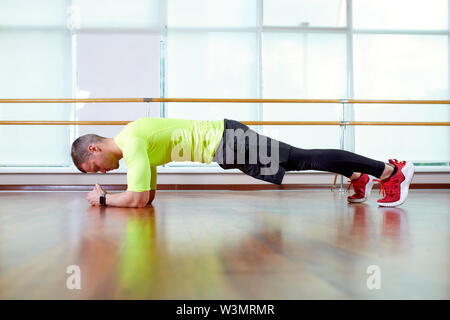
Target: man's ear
93 148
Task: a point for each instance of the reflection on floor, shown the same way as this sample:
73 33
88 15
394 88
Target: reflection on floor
306 244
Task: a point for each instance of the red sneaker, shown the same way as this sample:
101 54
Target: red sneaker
395 188
362 187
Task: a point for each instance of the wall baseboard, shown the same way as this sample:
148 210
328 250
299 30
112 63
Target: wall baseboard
241 187
222 180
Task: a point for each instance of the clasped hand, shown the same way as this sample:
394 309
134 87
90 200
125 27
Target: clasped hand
94 196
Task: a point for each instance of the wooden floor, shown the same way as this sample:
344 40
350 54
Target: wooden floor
307 244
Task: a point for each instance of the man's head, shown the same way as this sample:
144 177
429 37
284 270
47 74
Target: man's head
93 153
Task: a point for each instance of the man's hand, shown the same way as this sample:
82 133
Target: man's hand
127 199
94 196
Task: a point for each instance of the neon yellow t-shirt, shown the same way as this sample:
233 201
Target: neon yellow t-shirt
150 142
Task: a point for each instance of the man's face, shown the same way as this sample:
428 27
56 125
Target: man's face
101 161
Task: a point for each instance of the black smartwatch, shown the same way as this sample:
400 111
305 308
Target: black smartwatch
103 199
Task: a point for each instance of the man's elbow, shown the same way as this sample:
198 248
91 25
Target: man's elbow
137 204
140 200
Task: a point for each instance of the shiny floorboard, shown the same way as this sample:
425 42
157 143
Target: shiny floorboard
306 244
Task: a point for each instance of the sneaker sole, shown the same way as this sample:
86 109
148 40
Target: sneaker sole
369 186
408 172
356 200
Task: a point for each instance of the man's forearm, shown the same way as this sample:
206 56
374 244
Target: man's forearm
120 200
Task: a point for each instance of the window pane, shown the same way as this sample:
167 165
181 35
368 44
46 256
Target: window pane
400 14
402 67
119 14
301 66
32 13
35 65
108 68
417 144
211 13
316 13
212 65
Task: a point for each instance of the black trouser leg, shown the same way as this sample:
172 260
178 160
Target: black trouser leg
332 160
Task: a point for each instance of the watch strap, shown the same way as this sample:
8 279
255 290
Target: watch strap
103 199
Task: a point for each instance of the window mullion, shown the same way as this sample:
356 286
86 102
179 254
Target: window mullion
349 112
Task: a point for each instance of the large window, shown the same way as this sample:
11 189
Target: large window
401 52
35 62
333 49
317 49
73 48
393 66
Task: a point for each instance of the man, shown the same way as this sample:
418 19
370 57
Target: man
149 142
